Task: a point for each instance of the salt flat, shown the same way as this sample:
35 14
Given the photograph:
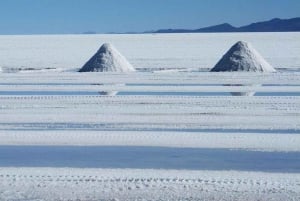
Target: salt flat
178 146
144 184
242 141
145 50
171 132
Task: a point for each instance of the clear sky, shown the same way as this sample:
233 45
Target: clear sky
77 16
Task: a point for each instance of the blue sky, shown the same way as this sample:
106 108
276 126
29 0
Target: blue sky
76 16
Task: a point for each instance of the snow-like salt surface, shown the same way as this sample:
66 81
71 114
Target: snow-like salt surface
243 141
49 184
120 88
149 113
138 78
42 125
146 50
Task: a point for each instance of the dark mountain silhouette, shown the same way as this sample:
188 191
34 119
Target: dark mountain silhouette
274 25
171 31
218 28
89 32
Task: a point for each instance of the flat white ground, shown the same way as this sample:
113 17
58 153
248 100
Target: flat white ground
155 51
32 102
146 184
175 134
182 146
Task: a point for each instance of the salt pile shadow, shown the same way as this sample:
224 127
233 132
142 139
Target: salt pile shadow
247 93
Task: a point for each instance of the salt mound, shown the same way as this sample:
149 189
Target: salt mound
243 57
107 59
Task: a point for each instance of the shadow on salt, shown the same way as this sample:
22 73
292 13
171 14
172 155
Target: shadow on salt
148 158
124 93
141 93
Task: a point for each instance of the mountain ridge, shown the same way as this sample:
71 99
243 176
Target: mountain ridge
273 25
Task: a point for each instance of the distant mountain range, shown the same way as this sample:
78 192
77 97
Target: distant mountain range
274 25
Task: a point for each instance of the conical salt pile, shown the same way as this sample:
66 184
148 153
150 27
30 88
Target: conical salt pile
243 57
107 59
